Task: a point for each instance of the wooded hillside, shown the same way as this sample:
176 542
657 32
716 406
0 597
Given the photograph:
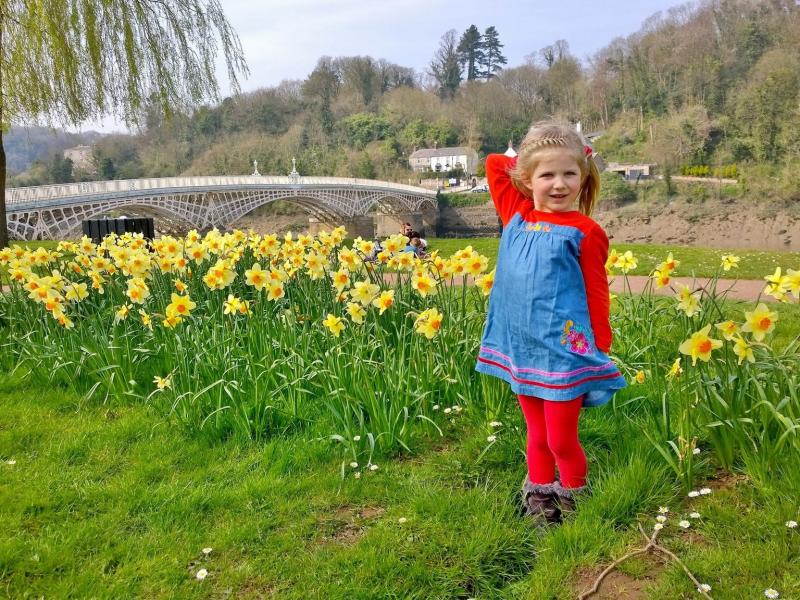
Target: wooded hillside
709 84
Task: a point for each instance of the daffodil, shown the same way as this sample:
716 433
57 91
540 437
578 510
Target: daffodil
356 312
364 292
256 277
477 264
639 377
729 261
728 328
792 282
275 291
341 279
661 277
429 322
424 284
231 305
147 321
334 324
180 306
776 285
76 292
760 322
688 301
743 350
122 313
627 262
669 265
485 283
384 302
162 383
700 345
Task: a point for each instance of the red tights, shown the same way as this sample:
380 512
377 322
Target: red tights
553 440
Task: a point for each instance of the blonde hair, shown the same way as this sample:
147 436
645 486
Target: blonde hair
550 134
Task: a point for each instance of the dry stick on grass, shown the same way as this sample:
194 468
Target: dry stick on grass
651 545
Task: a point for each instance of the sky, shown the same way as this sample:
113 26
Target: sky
283 39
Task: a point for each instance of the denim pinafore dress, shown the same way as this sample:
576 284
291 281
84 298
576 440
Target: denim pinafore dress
538 335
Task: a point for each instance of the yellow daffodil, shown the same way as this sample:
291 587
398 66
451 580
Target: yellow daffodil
334 324
425 285
760 322
180 306
729 261
384 302
776 285
64 320
171 321
791 281
162 383
639 377
485 283
231 305
700 345
364 292
122 313
688 301
661 277
76 292
138 291
627 262
356 312
477 264
728 328
256 277
429 322
743 350
275 290
147 321
669 265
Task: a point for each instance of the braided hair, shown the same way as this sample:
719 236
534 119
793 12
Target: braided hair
549 135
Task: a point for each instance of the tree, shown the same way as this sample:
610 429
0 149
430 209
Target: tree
321 88
68 62
445 67
493 57
470 52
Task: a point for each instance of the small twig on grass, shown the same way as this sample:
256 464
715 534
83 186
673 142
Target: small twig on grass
651 545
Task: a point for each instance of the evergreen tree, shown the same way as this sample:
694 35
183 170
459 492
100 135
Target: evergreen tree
493 57
470 52
445 67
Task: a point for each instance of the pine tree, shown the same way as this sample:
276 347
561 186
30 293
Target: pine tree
470 52
493 57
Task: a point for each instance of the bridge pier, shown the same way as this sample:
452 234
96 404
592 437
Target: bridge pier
423 221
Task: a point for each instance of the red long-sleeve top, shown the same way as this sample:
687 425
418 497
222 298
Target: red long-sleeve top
508 201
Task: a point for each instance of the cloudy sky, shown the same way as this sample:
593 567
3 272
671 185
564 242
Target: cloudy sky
282 39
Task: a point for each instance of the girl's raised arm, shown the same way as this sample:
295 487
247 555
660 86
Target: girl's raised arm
508 200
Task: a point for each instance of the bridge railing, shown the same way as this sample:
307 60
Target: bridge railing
91 188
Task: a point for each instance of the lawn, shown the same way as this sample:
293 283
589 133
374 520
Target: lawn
694 261
292 441
110 502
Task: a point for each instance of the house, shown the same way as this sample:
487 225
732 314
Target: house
633 172
444 159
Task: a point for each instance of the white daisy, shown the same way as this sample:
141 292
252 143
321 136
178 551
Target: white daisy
770 593
373 467
684 524
495 424
357 474
354 465
491 438
694 515
207 551
402 520
201 574
447 411
658 526
661 518
705 491
791 524
697 451
704 587
356 438
693 494
435 407
663 510
11 462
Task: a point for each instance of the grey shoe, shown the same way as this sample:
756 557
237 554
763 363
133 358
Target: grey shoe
566 497
539 500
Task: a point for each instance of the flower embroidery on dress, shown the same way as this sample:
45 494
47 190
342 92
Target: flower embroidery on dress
537 227
578 339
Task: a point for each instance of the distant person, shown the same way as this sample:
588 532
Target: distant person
547 330
406 230
415 234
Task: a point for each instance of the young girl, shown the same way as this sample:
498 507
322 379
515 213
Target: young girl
547 331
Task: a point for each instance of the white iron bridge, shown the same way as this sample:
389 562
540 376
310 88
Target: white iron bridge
182 203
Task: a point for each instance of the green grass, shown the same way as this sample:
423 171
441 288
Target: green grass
700 262
114 503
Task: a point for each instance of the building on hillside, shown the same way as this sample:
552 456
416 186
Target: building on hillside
81 157
440 160
633 172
